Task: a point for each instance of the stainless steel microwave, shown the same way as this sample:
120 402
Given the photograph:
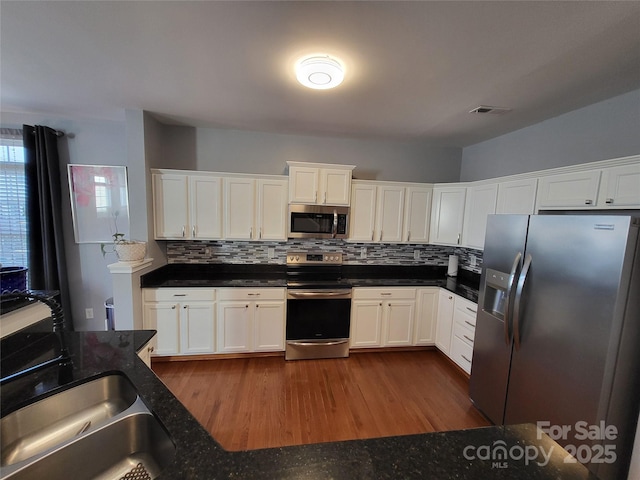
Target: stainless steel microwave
318 221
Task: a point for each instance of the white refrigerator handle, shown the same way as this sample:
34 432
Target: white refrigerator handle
516 308
510 293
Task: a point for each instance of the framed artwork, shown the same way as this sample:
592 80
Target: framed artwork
99 202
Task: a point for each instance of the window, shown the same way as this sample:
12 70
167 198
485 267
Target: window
14 246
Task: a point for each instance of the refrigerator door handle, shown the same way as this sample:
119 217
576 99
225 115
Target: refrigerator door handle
510 292
516 308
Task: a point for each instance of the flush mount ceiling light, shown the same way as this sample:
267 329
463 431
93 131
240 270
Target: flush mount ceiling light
319 71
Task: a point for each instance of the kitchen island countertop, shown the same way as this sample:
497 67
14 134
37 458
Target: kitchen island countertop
462 454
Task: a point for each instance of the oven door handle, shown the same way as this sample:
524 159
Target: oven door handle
302 343
319 294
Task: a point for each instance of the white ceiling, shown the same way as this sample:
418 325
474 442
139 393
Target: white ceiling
414 69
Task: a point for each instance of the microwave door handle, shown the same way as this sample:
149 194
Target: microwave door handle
334 232
510 292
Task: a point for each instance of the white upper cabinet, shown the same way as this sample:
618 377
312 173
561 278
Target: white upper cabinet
205 211
362 217
255 209
576 189
417 212
271 215
389 212
187 206
389 216
517 196
480 202
319 184
447 215
621 187
239 208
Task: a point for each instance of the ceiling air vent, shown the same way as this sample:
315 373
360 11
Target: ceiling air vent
490 110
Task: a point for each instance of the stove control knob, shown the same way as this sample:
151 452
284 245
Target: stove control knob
297 258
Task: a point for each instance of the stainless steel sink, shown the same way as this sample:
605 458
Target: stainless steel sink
130 446
98 430
55 419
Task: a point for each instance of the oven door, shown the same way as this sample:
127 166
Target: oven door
318 323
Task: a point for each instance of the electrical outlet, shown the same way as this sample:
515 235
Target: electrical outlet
88 313
472 260
271 252
363 252
416 254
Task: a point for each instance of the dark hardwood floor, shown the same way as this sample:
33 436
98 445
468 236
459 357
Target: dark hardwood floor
252 403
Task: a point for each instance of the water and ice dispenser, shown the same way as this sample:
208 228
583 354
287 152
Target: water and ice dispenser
495 293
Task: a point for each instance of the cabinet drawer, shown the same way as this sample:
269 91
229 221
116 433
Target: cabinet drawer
462 353
466 311
179 294
464 333
248 294
365 293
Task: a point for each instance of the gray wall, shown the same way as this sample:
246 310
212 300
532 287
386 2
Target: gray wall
89 142
267 153
604 130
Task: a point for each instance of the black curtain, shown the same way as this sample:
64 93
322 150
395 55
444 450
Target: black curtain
47 263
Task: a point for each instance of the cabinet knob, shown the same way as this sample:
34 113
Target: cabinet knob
609 201
450 298
185 307
173 307
588 202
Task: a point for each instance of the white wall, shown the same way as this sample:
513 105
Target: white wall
89 142
604 130
267 153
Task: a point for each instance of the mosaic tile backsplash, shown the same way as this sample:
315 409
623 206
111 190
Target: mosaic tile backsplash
354 253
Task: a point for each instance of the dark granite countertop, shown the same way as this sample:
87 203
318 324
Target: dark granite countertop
458 454
231 275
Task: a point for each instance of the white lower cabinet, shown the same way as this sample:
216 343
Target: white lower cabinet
184 319
251 320
382 317
464 327
444 324
426 314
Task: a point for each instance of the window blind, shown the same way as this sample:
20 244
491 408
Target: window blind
14 247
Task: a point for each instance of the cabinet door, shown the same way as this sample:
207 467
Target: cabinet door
389 214
335 186
303 184
206 207
165 319
171 205
623 186
272 209
579 189
366 323
417 214
197 322
362 220
268 326
447 215
234 323
426 316
398 323
480 202
444 325
517 196
239 208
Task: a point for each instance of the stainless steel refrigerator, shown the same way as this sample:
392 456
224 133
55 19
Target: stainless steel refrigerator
558 329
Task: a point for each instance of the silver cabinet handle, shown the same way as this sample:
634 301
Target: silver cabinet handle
588 202
385 294
325 197
380 235
193 231
315 196
179 294
516 308
253 294
334 229
466 358
471 310
183 230
470 324
251 232
458 241
609 201
470 339
372 235
408 236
